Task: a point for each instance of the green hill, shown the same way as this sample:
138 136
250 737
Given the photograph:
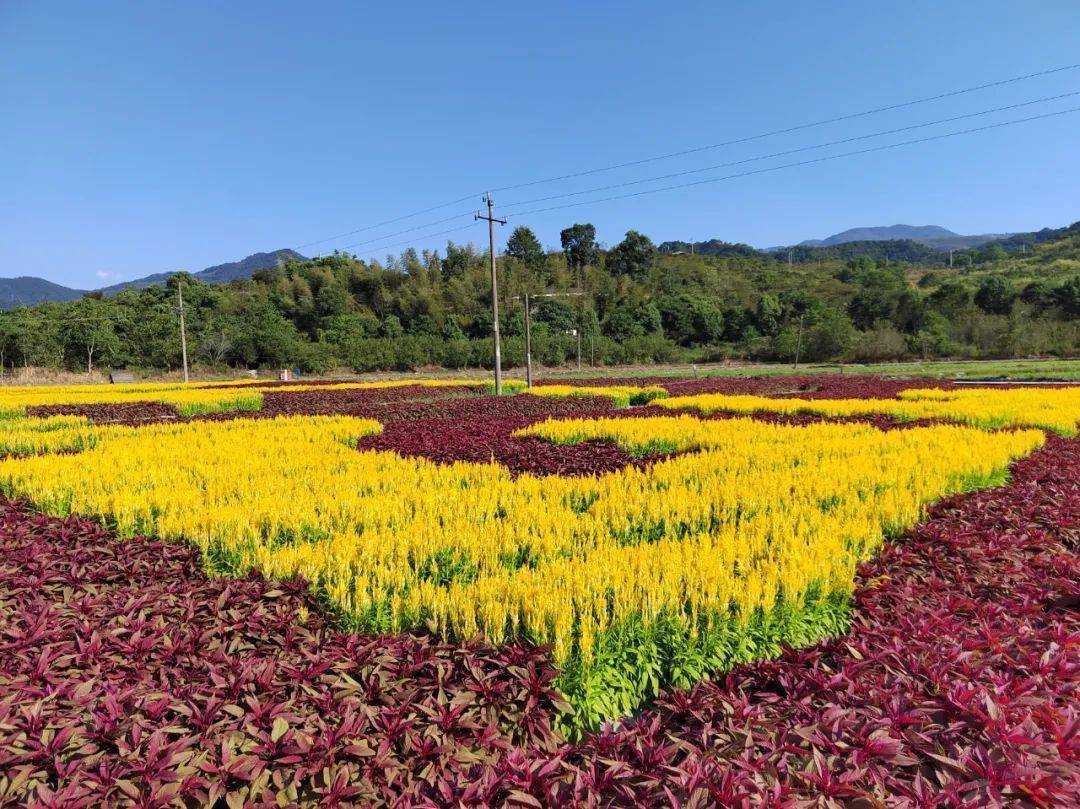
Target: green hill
870 300
27 291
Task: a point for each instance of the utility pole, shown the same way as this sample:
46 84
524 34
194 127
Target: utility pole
798 341
950 259
183 329
527 298
528 344
789 258
491 220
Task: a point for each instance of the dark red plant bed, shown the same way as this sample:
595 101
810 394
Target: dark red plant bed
408 402
481 437
119 413
806 386
810 386
449 440
371 403
128 678
957 686
481 430
394 404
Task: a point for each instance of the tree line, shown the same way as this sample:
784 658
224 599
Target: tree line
624 304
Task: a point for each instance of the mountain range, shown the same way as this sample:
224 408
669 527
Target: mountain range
27 290
930 235
904 242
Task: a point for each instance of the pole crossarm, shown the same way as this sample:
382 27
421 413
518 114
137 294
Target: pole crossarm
491 219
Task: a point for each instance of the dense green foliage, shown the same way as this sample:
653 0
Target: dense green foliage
636 304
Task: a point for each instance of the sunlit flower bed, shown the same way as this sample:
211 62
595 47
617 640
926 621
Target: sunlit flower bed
520 570
639 578
127 678
1056 409
243 395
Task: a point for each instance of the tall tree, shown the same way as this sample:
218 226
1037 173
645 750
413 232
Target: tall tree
634 256
995 295
526 248
89 330
579 245
1068 297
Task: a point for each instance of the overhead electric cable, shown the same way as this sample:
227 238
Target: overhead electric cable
812 161
409 230
392 221
413 239
798 127
697 149
786 152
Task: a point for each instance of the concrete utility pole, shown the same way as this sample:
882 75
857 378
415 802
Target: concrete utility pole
528 344
183 329
527 298
491 220
798 342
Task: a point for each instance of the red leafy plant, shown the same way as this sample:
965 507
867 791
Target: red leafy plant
129 678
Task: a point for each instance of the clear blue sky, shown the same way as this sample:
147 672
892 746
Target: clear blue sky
140 137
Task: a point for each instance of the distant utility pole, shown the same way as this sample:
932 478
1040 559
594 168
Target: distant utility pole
527 298
183 328
798 342
789 260
950 259
528 344
491 220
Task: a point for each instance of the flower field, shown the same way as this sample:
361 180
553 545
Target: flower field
419 594
1055 409
246 395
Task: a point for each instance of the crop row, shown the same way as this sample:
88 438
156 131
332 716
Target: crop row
246 395
129 678
1055 409
148 402
805 386
637 578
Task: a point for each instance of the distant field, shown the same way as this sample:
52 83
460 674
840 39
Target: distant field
1036 369
971 369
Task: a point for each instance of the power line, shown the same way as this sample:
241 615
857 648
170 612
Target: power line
409 230
391 221
694 150
744 174
800 163
786 130
416 238
791 151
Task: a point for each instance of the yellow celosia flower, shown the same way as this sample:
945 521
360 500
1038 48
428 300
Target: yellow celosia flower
1055 409
757 513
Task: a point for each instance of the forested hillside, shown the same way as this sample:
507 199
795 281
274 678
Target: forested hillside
27 290
636 304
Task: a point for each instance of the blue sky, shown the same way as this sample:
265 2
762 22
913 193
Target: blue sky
148 136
